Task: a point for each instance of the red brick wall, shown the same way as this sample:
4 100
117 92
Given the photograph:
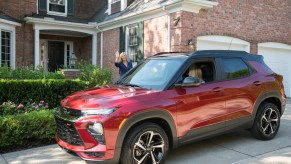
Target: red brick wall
155 36
110 46
254 21
18 8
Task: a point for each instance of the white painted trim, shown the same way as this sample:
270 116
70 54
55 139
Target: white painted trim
275 45
51 24
101 50
127 37
157 11
169 33
10 23
36 48
94 49
109 7
225 39
123 5
57 13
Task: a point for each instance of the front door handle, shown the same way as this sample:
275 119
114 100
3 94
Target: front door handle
257 83
217 89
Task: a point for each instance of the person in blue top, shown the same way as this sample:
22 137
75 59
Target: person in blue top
122 63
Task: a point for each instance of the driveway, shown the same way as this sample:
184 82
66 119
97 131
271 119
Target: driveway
238 148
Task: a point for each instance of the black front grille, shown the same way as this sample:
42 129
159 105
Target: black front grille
67 132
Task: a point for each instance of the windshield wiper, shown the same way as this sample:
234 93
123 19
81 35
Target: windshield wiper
132 85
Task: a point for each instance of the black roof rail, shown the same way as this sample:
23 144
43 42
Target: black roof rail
220 52
175 52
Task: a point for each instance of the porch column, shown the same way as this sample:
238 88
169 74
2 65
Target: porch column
36 48
94 49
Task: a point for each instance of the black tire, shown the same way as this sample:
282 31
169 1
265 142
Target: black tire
139 135
267 122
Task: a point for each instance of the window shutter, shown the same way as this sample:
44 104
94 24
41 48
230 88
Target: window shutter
140 37
71 7
122 39
42 5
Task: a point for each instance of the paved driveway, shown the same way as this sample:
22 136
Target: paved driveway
238 148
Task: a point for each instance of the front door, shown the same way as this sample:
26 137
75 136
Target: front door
55 55
200 106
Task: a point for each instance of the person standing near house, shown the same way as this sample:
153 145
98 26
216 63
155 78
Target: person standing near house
122 63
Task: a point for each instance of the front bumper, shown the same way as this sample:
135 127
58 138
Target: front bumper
97 153
73 136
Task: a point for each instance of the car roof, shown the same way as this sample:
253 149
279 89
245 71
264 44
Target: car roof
208 53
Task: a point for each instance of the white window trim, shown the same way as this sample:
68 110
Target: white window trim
10 26
127 38
57 13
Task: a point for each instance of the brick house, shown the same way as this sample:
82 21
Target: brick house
47 32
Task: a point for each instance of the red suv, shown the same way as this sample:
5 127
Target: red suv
169 100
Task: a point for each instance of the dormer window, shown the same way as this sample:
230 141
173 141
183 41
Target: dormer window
57 7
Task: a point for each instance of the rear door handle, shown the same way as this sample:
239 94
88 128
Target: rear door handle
217 89
257 83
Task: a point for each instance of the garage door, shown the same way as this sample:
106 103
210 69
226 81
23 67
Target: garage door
278 57
215 42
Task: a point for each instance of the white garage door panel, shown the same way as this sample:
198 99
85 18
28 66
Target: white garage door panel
208 45
216 42
279 60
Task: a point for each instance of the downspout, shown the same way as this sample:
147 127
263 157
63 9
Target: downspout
101 45
169 27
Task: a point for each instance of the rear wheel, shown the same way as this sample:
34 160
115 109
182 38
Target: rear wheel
267 122
145 144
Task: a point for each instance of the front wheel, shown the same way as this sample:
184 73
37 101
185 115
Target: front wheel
267 122
145 144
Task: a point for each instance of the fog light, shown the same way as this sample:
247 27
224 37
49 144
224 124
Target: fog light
96 130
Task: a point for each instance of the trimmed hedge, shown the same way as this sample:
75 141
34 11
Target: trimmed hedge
51 91
22 129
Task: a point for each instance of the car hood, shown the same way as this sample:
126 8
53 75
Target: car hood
103 97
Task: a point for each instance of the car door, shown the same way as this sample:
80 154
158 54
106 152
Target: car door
241 87
200 109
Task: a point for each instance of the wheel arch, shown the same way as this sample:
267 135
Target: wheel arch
158 116
272 97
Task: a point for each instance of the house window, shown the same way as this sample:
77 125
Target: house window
57 7
114 1
132 43
6 48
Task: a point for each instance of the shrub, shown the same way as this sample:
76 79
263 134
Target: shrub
10 108
95 75
21 129
28 73
51 91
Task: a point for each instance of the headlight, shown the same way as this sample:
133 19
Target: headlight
89 112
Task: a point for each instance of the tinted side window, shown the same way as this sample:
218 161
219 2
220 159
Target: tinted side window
234 68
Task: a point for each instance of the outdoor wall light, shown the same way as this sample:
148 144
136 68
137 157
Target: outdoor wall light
73 60
190 42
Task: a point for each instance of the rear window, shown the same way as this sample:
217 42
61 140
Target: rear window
234 68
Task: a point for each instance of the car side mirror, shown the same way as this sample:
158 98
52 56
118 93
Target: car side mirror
190 82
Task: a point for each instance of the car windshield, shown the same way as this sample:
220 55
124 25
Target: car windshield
152 73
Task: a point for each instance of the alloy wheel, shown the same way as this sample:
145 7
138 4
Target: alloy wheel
149 148
269 121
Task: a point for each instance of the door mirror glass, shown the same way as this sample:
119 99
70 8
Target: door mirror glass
190 82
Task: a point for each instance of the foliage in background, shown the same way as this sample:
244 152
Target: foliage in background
94 75
21 129
49 90
10 108
28 73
